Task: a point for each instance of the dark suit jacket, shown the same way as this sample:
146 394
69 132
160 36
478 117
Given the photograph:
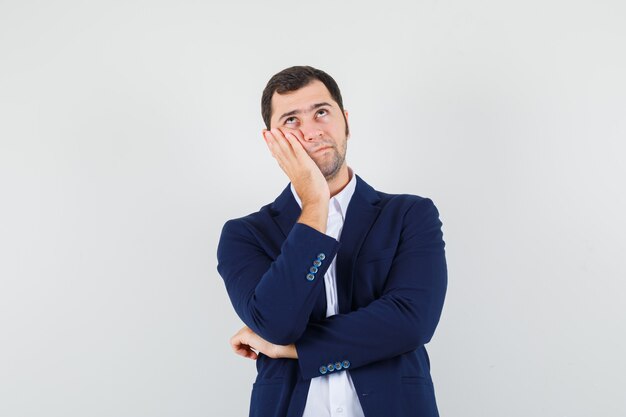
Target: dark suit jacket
391 284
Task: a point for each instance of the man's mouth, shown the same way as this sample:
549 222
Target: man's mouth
321 149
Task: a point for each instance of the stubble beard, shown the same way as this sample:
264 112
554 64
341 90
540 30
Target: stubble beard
331 168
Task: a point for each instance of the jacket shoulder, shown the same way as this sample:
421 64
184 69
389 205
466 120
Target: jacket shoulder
251 223
403 201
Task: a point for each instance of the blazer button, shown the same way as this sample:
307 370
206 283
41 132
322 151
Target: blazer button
330 367
313 269
346 364
321 256
338 366
323 370
317 262
310 277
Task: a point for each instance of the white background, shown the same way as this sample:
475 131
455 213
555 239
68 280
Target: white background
130 132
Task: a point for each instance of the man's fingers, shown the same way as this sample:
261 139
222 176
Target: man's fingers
241 351
299 135
282 153
274 145
269 141
295 145
246 351
239 345
283 143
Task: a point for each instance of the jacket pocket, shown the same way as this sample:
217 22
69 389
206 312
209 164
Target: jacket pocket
268 400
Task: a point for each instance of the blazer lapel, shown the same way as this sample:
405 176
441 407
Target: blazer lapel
286 210
360 216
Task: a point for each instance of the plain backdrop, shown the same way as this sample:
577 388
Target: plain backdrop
130 131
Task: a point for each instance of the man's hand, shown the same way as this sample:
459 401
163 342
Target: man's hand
245 342
303 172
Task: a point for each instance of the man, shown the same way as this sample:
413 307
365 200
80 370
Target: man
340 286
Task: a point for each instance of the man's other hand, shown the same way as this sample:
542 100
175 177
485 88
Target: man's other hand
246 343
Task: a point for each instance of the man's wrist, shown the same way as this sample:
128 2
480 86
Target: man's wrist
315 215
288 351
292 353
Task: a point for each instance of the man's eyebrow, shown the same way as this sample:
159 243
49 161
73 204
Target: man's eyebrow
313 107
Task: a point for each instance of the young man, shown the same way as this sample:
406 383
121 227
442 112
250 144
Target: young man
340 285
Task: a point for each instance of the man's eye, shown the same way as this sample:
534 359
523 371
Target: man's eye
289 118
324 110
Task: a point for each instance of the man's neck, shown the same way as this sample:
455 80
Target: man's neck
340 181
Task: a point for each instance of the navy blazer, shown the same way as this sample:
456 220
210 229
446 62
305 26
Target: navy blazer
391 285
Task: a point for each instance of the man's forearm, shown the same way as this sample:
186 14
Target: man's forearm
253 278
315 215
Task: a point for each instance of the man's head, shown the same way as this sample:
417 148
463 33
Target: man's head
307 99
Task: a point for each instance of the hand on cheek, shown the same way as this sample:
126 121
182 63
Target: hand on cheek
286 146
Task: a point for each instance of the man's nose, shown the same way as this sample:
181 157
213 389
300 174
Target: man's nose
312 133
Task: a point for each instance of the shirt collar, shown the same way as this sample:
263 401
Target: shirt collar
343 197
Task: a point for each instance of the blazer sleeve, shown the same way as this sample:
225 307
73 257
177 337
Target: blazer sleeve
402 319
274 297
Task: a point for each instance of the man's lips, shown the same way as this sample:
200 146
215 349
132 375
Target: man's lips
321 149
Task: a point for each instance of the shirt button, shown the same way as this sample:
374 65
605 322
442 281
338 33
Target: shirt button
340 410
313 269
321 256
310 277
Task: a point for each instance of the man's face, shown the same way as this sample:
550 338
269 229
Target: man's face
312 111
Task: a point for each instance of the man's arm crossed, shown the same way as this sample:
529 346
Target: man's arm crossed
274 297
401 320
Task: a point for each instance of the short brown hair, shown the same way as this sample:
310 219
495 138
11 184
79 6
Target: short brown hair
292 79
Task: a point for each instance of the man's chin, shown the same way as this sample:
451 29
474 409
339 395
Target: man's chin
328 167
329 172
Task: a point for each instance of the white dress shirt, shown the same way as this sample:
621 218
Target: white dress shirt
333 395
